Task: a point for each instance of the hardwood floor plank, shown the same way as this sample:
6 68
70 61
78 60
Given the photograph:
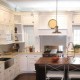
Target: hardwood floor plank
26 76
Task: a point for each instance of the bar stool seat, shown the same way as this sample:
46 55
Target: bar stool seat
54 71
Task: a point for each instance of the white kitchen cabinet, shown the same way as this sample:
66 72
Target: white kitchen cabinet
76 19
17 19
9 73
28 19
1 71
16 66
23 63
32 58
27 62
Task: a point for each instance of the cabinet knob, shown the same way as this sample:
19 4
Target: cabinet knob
26 56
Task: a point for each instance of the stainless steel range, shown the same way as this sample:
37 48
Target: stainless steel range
52 50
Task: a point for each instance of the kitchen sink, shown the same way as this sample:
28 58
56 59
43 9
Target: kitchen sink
4 59
8 62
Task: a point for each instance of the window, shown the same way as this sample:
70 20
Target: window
76 34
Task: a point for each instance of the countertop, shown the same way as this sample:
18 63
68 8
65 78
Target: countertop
12 54
1 62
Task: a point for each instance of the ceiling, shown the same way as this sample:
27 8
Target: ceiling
44 5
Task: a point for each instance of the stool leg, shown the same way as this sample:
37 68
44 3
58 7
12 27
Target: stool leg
61 78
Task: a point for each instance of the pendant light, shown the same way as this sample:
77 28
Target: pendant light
56 27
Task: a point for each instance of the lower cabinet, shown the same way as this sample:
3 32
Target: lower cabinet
16 66
9 73
32 59
2 71
27 62
13 71
23 63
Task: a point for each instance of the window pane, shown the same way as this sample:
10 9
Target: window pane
76 31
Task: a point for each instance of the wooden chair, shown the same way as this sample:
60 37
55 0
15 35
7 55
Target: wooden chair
54 71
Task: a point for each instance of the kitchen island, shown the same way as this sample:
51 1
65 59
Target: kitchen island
40 66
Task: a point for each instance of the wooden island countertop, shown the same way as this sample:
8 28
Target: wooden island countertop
48 60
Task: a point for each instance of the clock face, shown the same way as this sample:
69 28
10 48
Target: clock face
52 23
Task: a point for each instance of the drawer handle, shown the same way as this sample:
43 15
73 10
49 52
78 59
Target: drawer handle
35 56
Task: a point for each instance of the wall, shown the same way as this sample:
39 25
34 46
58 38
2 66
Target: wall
6 26
6 22
44 17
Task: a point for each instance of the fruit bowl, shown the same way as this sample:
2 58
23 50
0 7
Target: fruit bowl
55 58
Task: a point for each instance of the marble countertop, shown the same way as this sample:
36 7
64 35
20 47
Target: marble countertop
12 54
1 62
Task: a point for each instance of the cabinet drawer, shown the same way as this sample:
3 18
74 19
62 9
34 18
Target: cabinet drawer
34 56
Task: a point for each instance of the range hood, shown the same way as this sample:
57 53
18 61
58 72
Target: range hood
49 32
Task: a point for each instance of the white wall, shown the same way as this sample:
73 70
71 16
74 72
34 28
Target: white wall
46 16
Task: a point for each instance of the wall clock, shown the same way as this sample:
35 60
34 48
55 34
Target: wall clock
52 23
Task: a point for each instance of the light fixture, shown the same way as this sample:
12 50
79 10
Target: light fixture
56 27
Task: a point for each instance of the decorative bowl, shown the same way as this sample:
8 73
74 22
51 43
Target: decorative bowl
55 58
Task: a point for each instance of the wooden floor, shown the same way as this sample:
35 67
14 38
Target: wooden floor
26 76
31 76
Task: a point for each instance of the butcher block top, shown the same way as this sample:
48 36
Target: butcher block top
48 60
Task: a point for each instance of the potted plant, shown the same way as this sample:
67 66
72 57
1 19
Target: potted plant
77 48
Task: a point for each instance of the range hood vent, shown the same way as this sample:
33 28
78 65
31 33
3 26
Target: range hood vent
49 32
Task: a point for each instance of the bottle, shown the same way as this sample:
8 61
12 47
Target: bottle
15 29
30 49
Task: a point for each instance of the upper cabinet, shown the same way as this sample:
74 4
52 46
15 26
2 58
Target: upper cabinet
24 18
28 19
76 19
21 20
17 19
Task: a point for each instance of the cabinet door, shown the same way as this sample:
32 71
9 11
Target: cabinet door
1 71
1 75
28 19
9 73
16 66
76 19
32 60
17 19
23 63
6 74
